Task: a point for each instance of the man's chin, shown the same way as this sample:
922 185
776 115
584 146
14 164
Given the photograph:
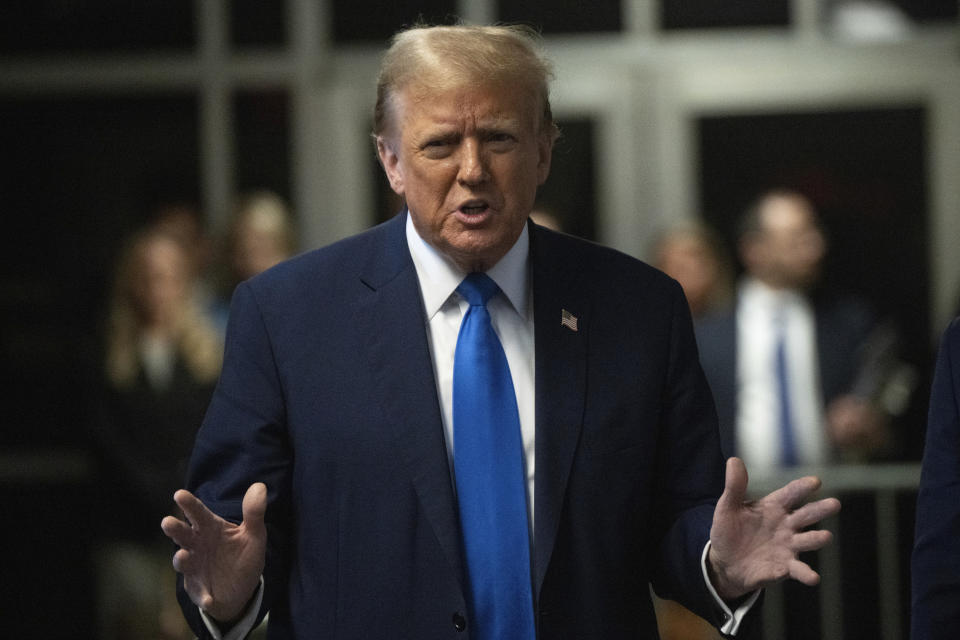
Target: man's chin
476 252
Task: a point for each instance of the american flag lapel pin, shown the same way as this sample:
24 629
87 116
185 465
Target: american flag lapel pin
568 320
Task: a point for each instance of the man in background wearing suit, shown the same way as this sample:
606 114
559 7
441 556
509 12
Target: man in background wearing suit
936 551
795 376
459 422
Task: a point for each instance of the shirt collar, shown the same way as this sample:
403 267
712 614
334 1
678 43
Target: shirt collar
439 276
757 293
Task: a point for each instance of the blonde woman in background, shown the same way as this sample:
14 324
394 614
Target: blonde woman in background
694 256
261 234
161 360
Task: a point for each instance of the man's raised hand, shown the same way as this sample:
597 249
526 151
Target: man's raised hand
756 543
221 562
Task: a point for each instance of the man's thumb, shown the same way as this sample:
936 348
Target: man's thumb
255 504
735 484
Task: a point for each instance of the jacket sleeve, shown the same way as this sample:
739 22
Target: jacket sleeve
936 552
244 440
690 477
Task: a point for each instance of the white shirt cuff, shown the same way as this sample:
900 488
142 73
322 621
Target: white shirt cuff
243 626
731 619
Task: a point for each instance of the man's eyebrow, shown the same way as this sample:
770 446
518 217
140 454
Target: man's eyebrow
498 119
438 131
498 124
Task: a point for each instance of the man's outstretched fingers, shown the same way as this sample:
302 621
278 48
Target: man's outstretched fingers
814 512
183 561
178 531
197 513
811 540
795 492
801 572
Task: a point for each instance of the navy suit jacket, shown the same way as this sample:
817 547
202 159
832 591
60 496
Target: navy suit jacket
843 330
328 396
936 551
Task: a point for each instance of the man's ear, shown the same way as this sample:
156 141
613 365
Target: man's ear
391 164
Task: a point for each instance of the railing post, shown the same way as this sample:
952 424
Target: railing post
831 579
888 568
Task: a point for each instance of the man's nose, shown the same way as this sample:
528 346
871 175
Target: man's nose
473 167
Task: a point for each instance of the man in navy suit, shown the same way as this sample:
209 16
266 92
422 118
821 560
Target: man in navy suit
936 551
324 483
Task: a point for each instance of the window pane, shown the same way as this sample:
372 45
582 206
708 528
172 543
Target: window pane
562 17
928 10
376 20
258 23
263 141
52 26
705 14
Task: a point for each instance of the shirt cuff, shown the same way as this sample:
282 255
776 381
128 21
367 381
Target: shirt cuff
243 626
731 618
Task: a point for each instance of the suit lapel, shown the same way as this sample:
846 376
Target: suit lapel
391 317
561 359
399 357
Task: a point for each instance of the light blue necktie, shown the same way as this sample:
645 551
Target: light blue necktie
788 449
491 487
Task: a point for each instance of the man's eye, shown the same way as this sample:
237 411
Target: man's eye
501 137
436 148
440 142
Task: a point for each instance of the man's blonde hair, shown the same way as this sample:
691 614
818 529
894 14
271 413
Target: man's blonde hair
447 57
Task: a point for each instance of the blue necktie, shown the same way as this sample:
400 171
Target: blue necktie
788 449
491 487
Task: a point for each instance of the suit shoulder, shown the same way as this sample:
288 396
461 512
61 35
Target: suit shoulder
950 342
325 267
952 332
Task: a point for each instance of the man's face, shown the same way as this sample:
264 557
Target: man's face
792 246
468 162
691 262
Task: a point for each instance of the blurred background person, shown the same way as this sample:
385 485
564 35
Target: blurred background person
798 378
261 234
161 360
182 221
694 256
801 376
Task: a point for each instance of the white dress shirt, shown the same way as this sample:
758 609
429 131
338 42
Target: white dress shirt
758 433
511 314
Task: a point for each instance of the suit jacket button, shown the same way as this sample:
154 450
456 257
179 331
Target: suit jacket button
459 622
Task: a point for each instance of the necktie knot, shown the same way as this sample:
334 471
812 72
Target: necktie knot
477 288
